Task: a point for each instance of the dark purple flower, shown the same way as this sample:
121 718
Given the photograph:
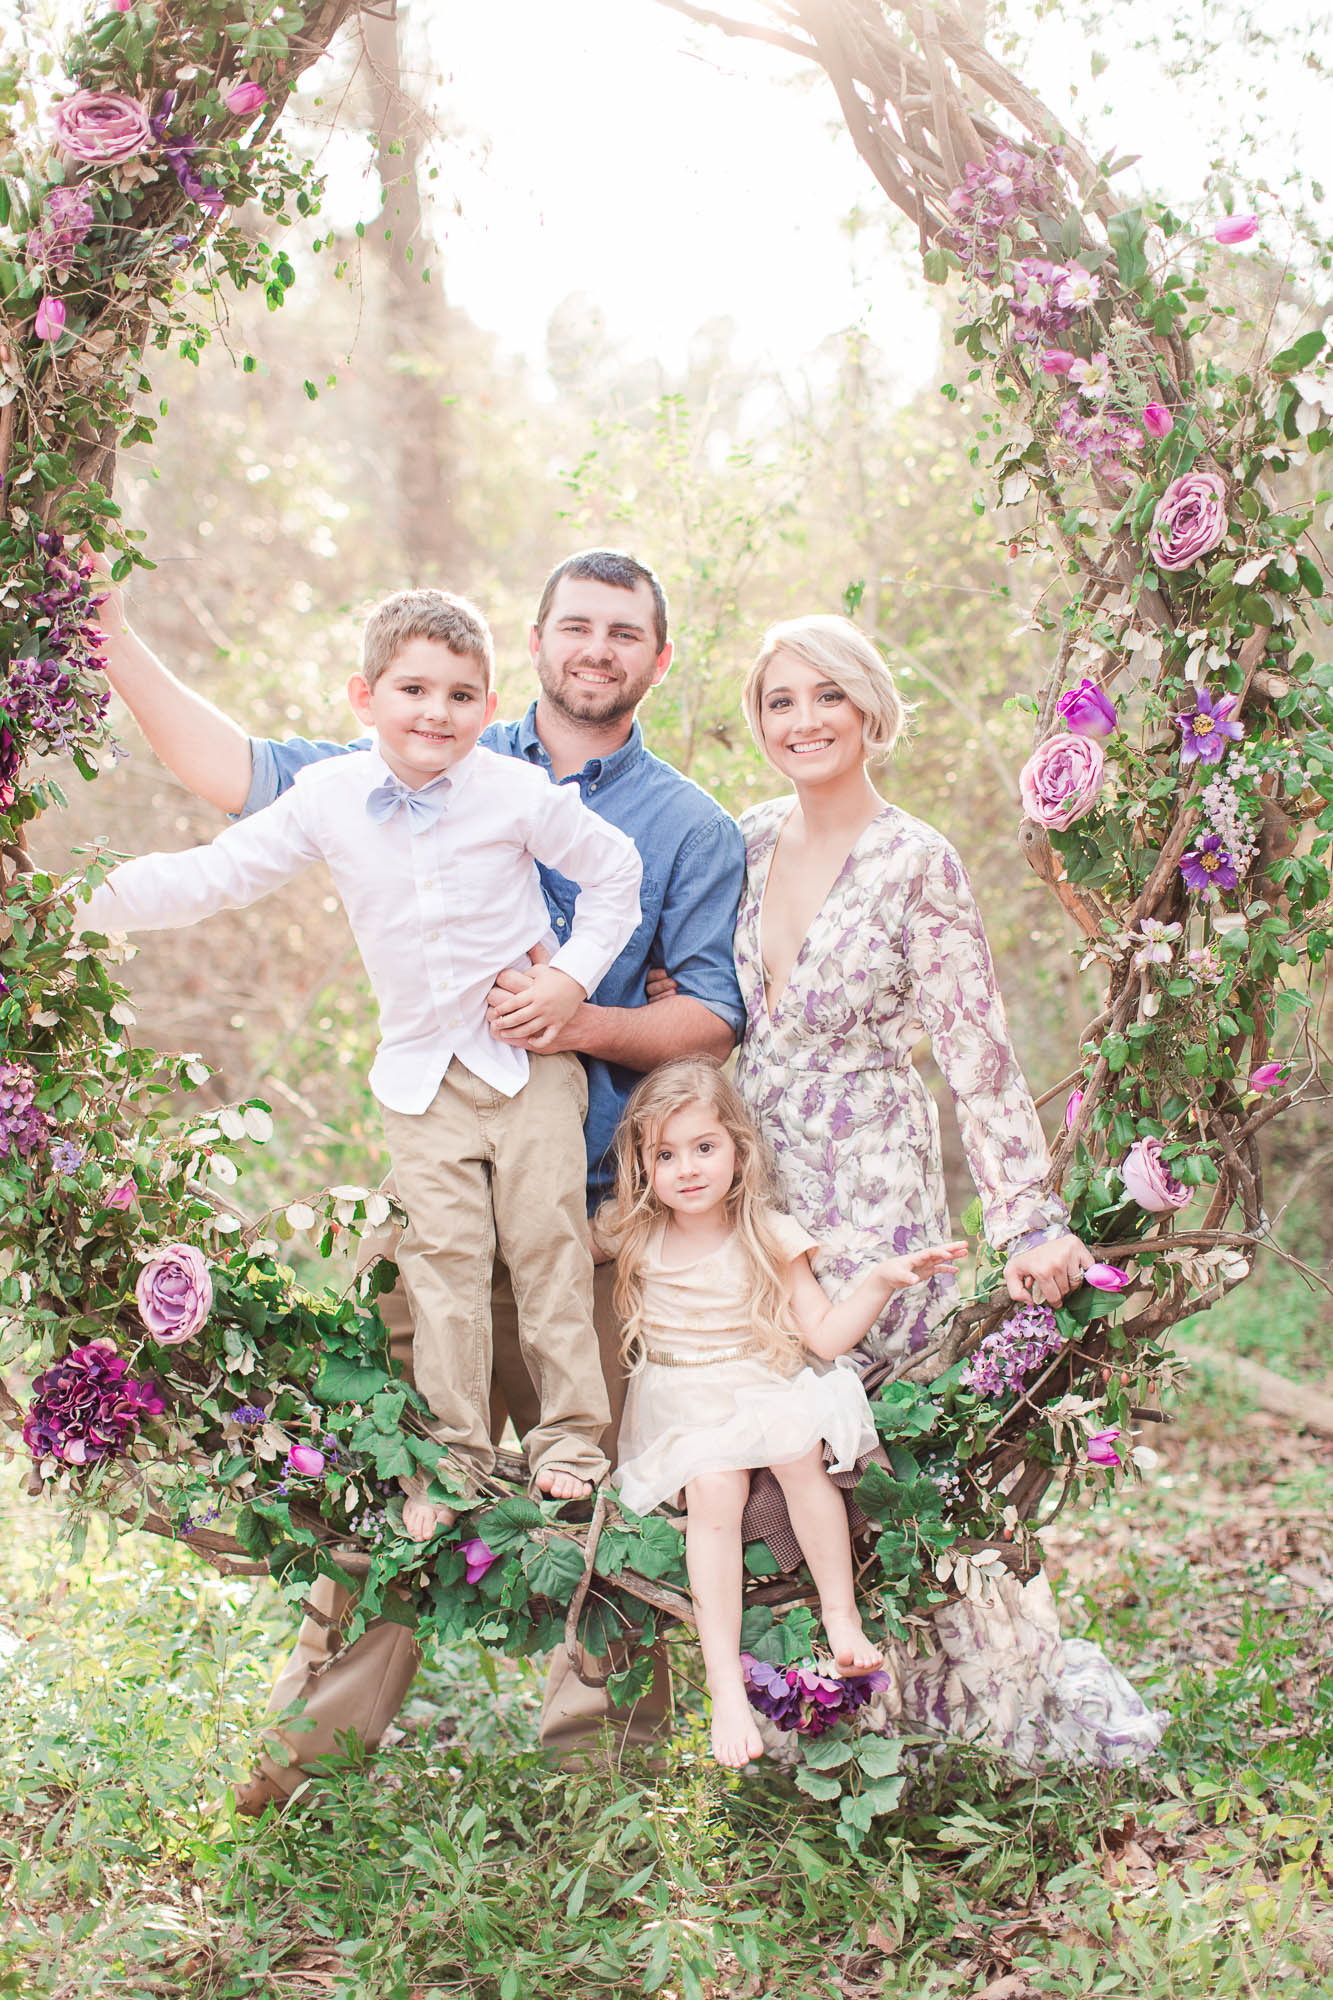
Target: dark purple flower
24 1130
87 1407
1087 711
804 1698
246 1414
1205 731
1208 866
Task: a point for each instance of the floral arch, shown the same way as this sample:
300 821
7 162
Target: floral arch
1179 803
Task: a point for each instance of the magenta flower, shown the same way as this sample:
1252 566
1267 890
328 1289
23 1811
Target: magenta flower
245 98
1268 1074
50 321
101 127
1208 727
305 1459
1149 1181
1208 866
1236 228
87 1407
1072 1103
1190 520
1158 420
1087 711
174 1293
122 1197
1057 361
804 1699
478 1557
1106 1277
1061 779
1101 1447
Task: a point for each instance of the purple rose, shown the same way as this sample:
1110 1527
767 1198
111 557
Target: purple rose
101 127
304 1458
1101 1447
1087 711
478 1556
1190 520
244 98
1158 420
175 1293
1061 779
1149 1181
1236 228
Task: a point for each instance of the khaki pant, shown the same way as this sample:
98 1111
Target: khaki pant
361 1694
479 1170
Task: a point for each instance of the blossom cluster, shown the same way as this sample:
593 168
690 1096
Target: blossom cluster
803 1698
1010 1351
24 1130
87 1407
1098 437
1231 820
46 693
66 218
990 199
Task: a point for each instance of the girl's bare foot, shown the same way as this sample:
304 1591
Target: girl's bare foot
736 1739
421 1519
851 1649
561 1485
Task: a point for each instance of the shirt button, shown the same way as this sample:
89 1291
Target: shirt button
433 938
560 923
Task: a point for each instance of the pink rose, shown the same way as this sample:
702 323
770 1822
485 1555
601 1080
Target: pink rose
1101 1447
244 98
1158 420
175 1293
101 127
1149 1181
304 1458
1190 520
1236 228
50 321
1061 779
122 1197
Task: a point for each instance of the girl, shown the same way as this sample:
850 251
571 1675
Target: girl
720 1306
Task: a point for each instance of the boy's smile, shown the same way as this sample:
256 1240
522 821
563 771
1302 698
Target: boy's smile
427 708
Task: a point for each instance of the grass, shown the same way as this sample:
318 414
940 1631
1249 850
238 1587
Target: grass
459 1863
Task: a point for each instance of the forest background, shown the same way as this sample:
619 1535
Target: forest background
376 433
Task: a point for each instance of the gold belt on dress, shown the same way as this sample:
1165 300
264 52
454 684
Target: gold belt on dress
743 1352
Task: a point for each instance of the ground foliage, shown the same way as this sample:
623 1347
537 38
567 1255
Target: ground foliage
282 1421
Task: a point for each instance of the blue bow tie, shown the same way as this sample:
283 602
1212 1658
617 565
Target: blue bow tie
423 807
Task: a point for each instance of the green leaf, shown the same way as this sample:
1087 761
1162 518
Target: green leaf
555 1570
879 1756
342 1380
817 1785
1299 355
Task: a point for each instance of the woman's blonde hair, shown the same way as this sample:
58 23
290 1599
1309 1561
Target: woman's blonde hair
838 651
627 1220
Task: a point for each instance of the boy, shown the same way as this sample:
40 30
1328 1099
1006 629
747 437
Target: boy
432 841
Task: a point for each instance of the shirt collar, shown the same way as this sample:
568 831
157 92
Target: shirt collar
379 772
600 770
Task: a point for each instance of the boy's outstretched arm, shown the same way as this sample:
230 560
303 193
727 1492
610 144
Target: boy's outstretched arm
830 1329
204 748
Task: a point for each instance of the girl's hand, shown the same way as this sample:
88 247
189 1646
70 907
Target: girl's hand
898 1273
1048 1272
659 984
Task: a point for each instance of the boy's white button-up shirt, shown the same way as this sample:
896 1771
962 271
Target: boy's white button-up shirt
436 914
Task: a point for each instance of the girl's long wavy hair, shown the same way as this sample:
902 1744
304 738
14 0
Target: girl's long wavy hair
627 1220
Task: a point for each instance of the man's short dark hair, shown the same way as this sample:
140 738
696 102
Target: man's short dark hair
611 566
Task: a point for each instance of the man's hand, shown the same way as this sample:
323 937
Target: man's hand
1048 1272
659 985
531 1009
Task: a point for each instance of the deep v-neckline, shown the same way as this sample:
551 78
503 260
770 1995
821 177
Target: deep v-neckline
772 1011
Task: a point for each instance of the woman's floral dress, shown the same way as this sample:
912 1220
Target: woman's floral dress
897 948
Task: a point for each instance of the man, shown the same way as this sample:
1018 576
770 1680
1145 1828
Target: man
599 644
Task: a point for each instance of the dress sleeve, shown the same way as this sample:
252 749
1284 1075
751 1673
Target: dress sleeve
792 1238
953 986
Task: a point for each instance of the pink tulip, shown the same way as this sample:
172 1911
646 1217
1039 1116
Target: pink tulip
1072 1103
478 1557
304 1458
1267 1075
1057 361
1158 420
1101 1447
122 6
122 1197
1236 228
1106 1277
244 98
50 321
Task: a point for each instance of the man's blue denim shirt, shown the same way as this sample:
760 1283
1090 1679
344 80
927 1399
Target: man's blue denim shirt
693 867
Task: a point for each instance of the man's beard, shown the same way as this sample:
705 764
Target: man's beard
609 704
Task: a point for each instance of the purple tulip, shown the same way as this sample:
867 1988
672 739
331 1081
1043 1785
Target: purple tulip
1057 361
478 1557
1158 420
50 321
1101 1447
1061 779
1268 1074
1149 1181
1106 1277
174 1293
304 1458
1236 228
245 98
1190 520
1087 711
1072 1103
1208 728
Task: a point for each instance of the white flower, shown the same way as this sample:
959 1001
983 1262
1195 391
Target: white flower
1154 941
1093 377
1076 287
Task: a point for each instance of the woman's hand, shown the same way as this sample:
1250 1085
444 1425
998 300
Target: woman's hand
1047 1272
898 1273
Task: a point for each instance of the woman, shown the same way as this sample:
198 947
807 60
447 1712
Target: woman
857 929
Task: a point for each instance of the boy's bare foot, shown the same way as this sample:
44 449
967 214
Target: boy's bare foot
559 1484
851 1649
422 1519
736 1738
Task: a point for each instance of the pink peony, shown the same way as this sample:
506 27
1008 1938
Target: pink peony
1101 1447
245 98
101 127
1087 711
1061 779
1158 420
175 1293
304 1458
1236 228
50 321
1149 1181
1190 520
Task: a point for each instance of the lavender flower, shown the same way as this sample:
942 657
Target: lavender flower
66 218
87 1407
1208 866
989 200
24 1130
803 1698
1010 1352
66 1157
246 1414
1207 728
